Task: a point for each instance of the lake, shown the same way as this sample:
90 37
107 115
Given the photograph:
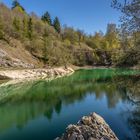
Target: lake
42 110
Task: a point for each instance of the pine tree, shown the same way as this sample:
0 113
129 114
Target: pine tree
47 18
17 4
56 25
30 28
1 29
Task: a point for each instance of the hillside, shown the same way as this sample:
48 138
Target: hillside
29 41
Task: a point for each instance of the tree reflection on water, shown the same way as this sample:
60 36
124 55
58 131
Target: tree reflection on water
30 100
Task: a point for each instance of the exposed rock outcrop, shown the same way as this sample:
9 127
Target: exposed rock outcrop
14 55
91 127
8 61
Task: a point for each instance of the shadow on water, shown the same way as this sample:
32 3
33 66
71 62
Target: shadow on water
42 110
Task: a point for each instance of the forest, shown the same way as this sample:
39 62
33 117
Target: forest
56 45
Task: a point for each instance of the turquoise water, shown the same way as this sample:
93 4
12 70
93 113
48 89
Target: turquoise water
42 110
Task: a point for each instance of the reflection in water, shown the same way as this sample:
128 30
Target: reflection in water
108 92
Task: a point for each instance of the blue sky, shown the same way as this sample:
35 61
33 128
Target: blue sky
88 15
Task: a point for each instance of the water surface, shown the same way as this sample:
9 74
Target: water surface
42 110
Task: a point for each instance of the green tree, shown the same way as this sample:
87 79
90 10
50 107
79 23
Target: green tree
130 31
71 35
30 28
46 43
25 27
47 18
56 24
80 34
112 36
17 4
131 13
1 29
16 27
16 24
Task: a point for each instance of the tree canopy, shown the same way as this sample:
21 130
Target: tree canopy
131 13
47 18
56 24
17 4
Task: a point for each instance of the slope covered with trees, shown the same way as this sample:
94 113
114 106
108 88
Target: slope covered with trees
49 43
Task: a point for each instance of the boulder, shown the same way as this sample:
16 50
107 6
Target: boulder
92 127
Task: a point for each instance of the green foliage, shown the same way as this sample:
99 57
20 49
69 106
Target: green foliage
81 35
131 11
16 24
30 28
67 43
130 31
17 4
71 35
1 29
129 58
25 27
56 24
16 28
47 18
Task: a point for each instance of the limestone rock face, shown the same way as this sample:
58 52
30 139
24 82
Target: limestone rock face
7 61
91 127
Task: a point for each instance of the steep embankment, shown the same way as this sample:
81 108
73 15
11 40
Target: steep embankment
16 56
